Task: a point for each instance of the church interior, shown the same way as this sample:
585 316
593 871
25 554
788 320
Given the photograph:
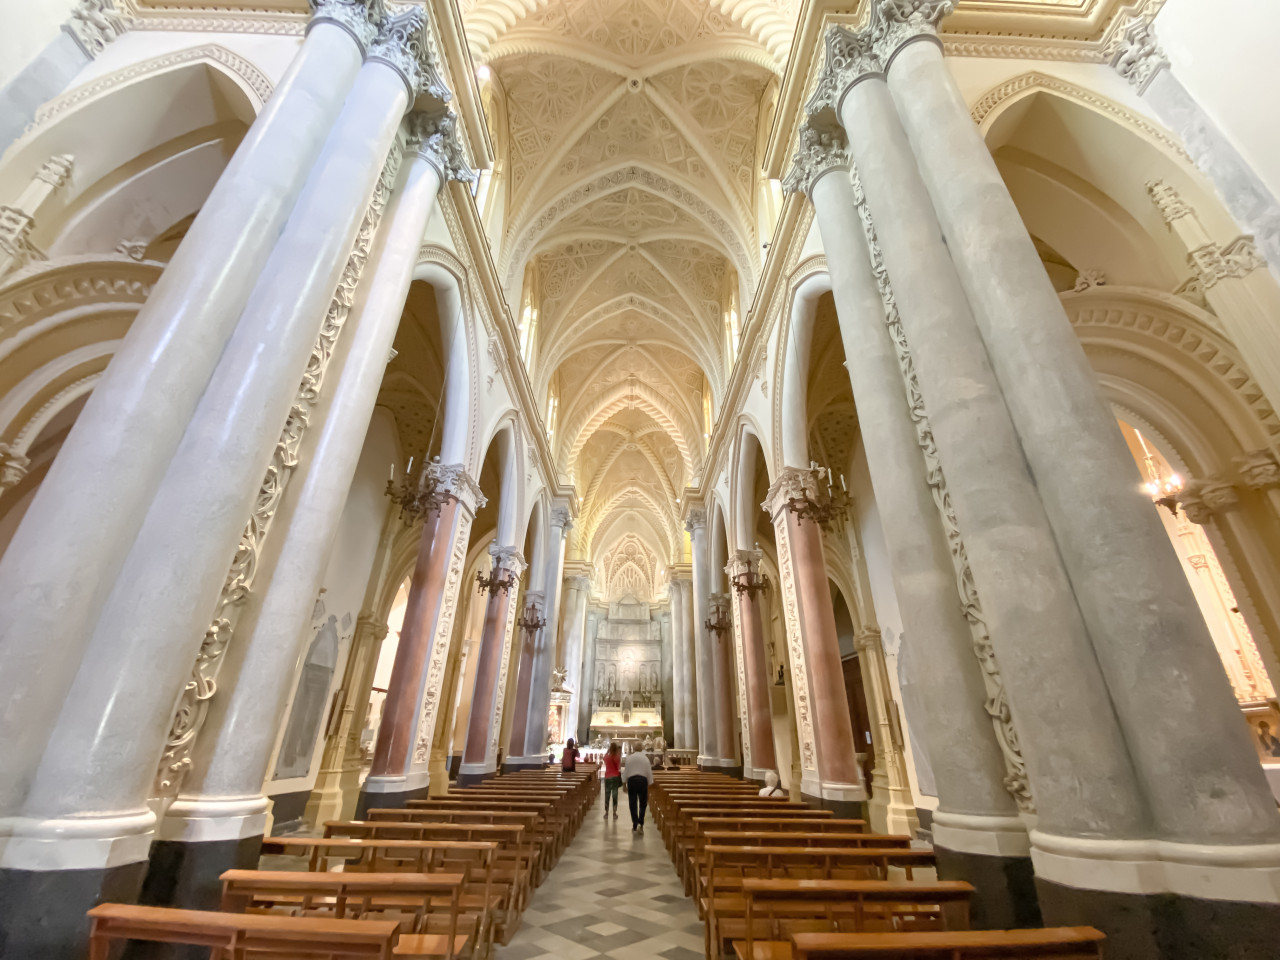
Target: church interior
848 426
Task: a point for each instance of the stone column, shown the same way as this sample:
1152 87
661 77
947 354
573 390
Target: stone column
704 640
1137 56
479 757
577 590
442 739
586 699
666 666
726 694
679 736
827 751
963 714
689 700
1112 543
743 570
535 739
219 814
71 544
527 646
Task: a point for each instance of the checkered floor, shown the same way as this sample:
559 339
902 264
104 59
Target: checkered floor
613 894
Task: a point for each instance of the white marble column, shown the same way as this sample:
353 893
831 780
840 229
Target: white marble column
1076 756
65 556
703 639
1153 643
577 592
963 719
535 740
682 736
689 704
230 761
103 750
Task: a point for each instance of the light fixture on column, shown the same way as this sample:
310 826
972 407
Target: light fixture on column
716 623
532 619
751 581
1163 490
493 583
417 496
819 506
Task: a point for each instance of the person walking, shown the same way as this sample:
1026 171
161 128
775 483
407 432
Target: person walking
638 774
612 777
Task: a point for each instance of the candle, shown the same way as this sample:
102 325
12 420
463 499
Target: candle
409 469
842 486
393 471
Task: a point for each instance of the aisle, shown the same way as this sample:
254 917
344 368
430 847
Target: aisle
611 895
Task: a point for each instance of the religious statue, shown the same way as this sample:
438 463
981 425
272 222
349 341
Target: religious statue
558 676
626 707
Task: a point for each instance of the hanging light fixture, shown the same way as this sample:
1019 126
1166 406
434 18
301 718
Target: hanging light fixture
822 507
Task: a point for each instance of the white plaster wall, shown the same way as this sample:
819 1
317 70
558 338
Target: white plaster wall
29 27
1224 53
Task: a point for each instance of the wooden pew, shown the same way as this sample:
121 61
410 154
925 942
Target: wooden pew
682 836
426 906
776 909
240 934
550 821
1062 943
540 839
781 835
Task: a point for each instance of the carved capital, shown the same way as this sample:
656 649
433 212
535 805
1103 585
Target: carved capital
867 639
507 558
560 518
1201 499
360 18
1234 261
56 171
13 466
895 23
850 58
94 24
578 583
1259 469
792 483
819 152
434 138
1168 201
371 628
743 561
1135 53
696 521
405 45
453 481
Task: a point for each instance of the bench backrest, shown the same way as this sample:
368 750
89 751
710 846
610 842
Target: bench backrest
1063 943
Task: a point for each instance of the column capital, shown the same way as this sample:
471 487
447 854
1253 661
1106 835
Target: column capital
560 517
743 561
94 24
819 152
13 466
792 482
1259 469
1134 52
452 480
404 44
867 638
896 23
360 18
850 58
578 582
434 138
696 520
1201 499
508 558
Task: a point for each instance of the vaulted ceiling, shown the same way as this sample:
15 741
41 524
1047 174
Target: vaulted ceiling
630 142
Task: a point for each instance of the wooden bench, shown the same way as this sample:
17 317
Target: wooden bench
1062 943
681 836
780 836
549 820
427 907
776 909
232 936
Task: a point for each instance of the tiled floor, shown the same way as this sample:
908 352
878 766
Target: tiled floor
613 894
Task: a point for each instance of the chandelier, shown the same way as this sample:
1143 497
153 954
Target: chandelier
716 623
1163 490
532 619
822 507
751 582
493 583
417 497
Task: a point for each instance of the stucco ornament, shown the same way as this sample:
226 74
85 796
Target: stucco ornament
434 138
1201 499
360 18
1138 56
94 24
1237 259
895 23
404 44
1259 469
819 151
850 57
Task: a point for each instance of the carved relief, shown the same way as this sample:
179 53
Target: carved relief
1234 261
1201 499
1259 469
739 666
795 648
94 24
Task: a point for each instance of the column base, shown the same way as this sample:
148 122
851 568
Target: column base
525 763
1005 888
471 774
289 811
455 765
391 793
42 912
843 809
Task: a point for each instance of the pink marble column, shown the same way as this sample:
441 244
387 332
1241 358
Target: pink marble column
726 694
534 604
429 597
477 760
743 568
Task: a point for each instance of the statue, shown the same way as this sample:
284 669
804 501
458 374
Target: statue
626 707
558 676
647 746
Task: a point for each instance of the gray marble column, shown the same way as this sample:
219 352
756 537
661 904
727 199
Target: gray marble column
1077 759
65 556
104 748
666 655
726 686
689 700
577 592
1177 713
703 640
678 736
230 761
963 716
535 739
587 696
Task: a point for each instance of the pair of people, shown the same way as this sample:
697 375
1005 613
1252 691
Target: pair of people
638 773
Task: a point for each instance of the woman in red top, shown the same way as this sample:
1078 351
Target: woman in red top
612 778
569 759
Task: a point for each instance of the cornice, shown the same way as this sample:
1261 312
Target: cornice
1082 31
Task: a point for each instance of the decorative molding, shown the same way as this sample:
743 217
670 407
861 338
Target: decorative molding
404 43
55 287
818 152
13 466
997 706
1202 499
193 701
360 18
850 58
1259 469
1133 50
1168 201
1233 261
94 24
453 480
435 139
895 23
1089 278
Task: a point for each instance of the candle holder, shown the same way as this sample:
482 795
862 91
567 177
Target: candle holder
493 583
719 625
751 582
532 619
417 497
823 508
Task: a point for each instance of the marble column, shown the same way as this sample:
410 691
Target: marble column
1177 714
704 640
963 716
220 812
577 590
689 700
743 570
680 664
446 713
527 645
71 544
535 739
726 693
830 772
1138 57
479 756
586 698
401 752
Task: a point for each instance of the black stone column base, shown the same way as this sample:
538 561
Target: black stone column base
42 912
455 764
843 809
1166 926
387 801
472 779
1005 888
511 766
